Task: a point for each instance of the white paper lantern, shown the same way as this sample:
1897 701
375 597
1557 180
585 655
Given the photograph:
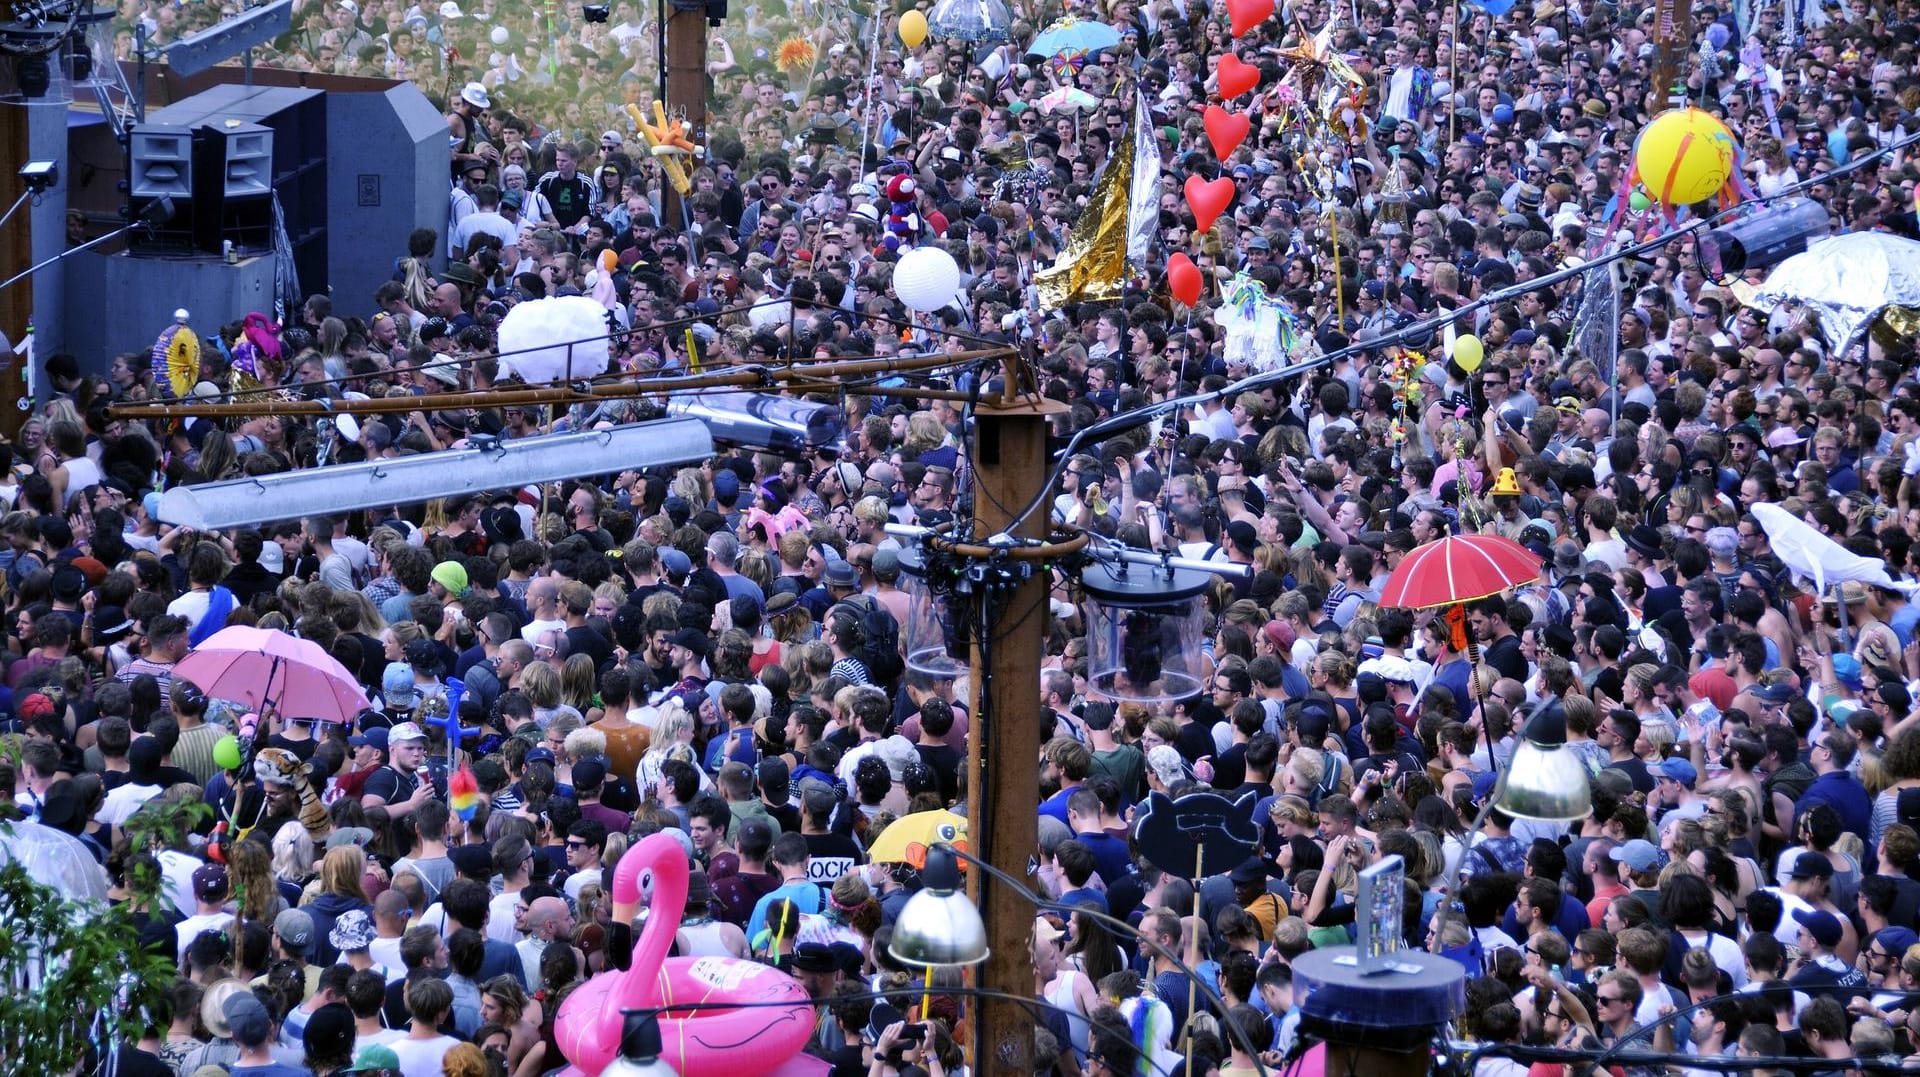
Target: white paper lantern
926 279
560 339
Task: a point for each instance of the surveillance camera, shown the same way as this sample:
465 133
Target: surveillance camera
39 175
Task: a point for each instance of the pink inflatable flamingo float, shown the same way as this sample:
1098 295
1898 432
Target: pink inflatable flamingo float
709 1042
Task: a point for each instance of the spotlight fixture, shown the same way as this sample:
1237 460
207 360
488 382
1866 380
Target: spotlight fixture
39 175
1764 239
34 75
595 12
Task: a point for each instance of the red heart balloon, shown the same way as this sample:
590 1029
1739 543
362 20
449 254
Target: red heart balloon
1208 199
1226 130
1183 279
1236 78
1247 14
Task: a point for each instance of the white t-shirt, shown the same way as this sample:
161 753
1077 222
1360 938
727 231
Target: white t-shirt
422 1058
189 929
485 222
122 801
500 918
531 633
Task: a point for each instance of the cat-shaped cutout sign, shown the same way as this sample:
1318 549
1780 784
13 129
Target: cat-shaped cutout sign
1170 832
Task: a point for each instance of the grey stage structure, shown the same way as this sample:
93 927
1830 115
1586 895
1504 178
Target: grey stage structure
356 171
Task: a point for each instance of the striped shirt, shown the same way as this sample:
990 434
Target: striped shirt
194 751
159 671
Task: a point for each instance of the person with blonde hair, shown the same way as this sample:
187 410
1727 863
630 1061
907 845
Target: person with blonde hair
342 890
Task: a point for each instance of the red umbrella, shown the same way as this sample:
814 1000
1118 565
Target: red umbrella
254 666
1459 568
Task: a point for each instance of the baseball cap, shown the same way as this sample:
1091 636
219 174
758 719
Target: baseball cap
210 882
589 773
349 835
397 687
1846 670
1678 770
1638 854
1821 924
295 929
374 1059
1811 866
375 736
247 1019
405 731
1896 939
1775 694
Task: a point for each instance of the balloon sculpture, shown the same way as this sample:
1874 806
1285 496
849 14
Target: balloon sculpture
709 1042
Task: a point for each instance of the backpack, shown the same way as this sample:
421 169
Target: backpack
881 652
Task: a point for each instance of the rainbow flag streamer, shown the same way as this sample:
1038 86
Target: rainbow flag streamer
463 794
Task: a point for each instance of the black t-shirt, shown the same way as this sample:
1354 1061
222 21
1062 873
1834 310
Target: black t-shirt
1636 772
302 749
584 640
1504 655
831 856
570 198
945 762
390 785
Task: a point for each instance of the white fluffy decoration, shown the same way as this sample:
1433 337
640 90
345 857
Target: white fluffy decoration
533 339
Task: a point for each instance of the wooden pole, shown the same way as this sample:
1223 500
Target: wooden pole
1003 747
16 249
686 64
1453 71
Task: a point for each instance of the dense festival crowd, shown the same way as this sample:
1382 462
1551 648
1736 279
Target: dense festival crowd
712 651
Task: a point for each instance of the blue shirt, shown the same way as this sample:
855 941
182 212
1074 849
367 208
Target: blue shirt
804 895
1847 796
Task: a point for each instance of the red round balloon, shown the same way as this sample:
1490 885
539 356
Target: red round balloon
1235 77
1208 199
1183 279
1247 14
1226 130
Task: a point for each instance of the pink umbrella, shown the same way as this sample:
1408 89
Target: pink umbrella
255 667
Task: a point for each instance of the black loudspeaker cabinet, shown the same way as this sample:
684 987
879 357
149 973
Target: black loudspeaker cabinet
242 136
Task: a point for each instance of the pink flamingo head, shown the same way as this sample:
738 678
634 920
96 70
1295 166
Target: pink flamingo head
654 871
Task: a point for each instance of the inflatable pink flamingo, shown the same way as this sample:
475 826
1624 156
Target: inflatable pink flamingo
710 1042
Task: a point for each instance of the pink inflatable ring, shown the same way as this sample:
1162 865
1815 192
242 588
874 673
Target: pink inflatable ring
710 1042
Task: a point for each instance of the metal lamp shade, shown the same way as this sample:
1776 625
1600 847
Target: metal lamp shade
939 927
1545 781
972 21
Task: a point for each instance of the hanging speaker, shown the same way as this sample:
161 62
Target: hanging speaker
161 161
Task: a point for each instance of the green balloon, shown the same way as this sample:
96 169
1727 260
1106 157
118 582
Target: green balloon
226 752
1639 201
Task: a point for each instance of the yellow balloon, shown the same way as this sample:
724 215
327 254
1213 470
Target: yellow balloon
913 29
1684 156
1468 352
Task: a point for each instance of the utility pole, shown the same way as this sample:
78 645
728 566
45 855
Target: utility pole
1003 774
686 65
